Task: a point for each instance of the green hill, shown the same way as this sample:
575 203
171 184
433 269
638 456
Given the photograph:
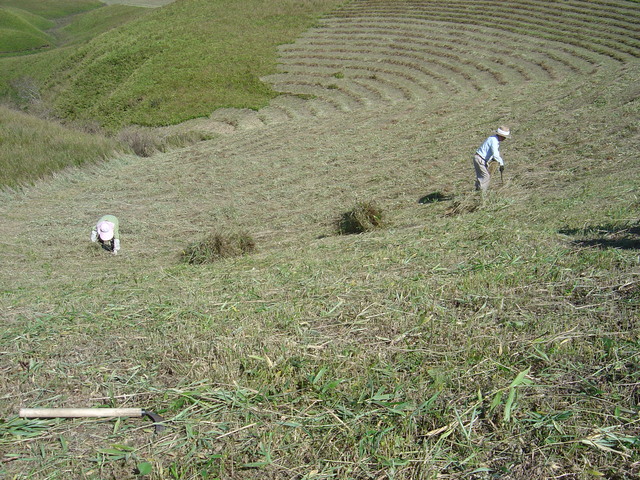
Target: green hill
86 26
179 62
62 38
155 67
467 337
52 9
163 66
20 31
24 24
33 148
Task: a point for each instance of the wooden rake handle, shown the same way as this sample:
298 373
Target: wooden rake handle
158 421
80 412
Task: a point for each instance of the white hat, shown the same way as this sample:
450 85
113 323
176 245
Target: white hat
105 230
503 131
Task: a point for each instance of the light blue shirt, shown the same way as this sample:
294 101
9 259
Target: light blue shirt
490 149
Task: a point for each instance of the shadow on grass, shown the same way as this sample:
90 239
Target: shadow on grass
436 197
625 237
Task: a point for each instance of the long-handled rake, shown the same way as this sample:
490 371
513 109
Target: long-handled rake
93 413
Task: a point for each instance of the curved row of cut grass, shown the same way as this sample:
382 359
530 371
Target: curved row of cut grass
548 25
613 19
374 53
378 48
462 39
479 38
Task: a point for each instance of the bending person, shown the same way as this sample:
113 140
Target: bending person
106 232
487 152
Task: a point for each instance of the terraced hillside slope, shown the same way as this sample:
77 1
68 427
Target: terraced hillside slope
377 53
468 338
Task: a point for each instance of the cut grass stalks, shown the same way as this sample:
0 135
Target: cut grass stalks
216 246
332 356
364 217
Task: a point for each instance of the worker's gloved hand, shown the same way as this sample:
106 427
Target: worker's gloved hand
501 168
116 246
94 235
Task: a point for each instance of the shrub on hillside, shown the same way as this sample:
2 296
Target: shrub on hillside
143 142
26 89
364 217
184 139
216 246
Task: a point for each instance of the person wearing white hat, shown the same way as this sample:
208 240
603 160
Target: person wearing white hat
489 152
106 232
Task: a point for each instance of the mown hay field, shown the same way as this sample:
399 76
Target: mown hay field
467 337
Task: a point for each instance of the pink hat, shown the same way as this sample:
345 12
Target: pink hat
105 230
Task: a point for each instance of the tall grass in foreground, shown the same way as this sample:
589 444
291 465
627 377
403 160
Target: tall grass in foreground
32 148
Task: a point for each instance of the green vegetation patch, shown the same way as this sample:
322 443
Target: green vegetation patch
20 30
31 148
219 245
18 18
181 61
88 25
18 41
22 60
52 8
364 217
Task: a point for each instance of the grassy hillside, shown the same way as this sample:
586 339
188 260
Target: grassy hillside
52 9
179 62
157 68
83 28
58 29
465 339
34 148
20 31
24 24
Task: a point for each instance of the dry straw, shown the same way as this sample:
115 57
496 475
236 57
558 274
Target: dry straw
364 217
216 246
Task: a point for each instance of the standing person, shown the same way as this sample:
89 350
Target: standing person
106 232
489 151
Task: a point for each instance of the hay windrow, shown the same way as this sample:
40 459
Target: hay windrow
218 245
364 217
